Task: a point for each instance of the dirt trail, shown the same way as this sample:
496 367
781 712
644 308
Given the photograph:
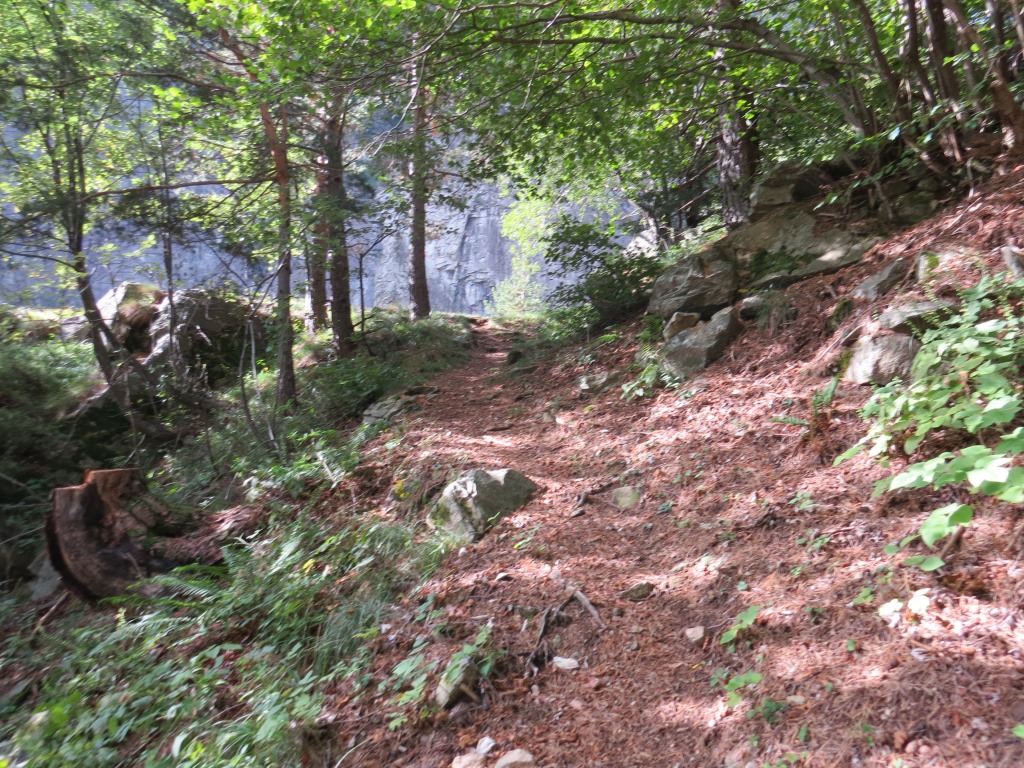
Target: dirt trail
736 509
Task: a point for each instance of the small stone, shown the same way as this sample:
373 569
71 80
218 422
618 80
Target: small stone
1016 709
565 664
638 592
503 576
625 497
633 647
593 383
899 740
695 634
470 760
485 745
796 700
517 758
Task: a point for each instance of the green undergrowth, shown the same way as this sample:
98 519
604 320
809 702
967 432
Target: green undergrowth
226 665
964 394
39 381
246 447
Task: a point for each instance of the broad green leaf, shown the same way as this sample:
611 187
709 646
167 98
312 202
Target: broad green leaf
944 521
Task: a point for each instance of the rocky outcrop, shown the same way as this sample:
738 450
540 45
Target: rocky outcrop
700 283
693 350
473 504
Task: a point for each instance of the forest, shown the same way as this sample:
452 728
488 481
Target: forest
242 485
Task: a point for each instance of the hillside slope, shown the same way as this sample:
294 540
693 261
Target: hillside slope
739 506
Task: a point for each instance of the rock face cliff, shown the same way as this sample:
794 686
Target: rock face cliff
466 257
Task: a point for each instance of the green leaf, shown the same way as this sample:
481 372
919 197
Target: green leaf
849 453
930 563
944 521
1018 730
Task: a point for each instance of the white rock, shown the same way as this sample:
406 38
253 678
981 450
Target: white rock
485 745
695 634
566 664
517 758
470 760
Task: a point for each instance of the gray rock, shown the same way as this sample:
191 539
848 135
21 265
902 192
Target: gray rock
517 758
388 409
880 359
833 260
786 183
470 506
638 592
916 316
679 322
701 283
790 232
932 263
913 207
592 383
882 282
695 634
690 352
896 187
752 307
772 281
1013 257
47 579
213 329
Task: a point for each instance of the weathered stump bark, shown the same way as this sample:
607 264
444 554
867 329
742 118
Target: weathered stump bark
89 534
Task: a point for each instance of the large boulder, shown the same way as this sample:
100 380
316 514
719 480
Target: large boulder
129 310
693 350
473 504
702 283
212 329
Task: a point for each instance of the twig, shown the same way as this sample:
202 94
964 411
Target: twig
953 543
582 600
49 613
584 497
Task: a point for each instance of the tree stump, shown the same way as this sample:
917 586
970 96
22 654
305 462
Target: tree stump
89 533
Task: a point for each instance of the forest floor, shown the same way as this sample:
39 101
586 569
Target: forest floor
737 508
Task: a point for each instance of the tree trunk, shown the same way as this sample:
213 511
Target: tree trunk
1003 102
419 294
316 266
737 143
287 389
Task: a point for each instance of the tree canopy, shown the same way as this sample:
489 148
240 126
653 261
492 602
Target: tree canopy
679 103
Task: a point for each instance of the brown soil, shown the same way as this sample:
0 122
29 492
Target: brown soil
737 509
